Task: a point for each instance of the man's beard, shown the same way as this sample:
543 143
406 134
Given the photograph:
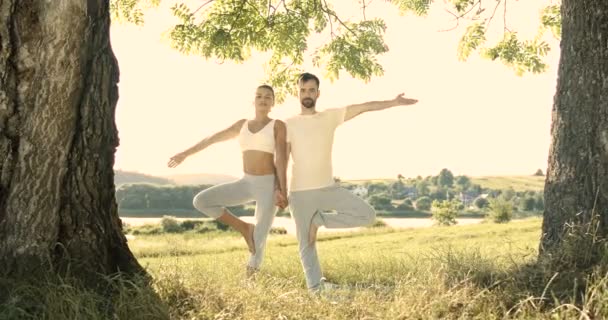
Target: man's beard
308 103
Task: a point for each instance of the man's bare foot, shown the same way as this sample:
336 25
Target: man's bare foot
312 233
251 272
248 235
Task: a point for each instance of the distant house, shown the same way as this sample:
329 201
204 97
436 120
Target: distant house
359 191
410 192
467 198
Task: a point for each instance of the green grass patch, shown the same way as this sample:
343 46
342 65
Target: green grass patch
484 271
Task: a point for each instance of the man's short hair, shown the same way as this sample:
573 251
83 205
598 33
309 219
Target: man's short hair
304 77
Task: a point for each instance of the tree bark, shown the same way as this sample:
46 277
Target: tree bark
58 93
576 188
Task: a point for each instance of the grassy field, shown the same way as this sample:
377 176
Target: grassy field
483 271
518 183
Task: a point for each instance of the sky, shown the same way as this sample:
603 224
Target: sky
475 118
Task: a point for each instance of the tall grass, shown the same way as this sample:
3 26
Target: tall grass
485 271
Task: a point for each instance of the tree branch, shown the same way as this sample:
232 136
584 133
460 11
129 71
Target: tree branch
204 4
238 15
493 13
504 19
363 7
329 12
458 17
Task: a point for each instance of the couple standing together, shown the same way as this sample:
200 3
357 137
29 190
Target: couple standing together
267 145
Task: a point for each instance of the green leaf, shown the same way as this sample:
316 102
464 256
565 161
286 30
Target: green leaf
463 6
354 51
520 56
470 41
551 18
418 7
131 11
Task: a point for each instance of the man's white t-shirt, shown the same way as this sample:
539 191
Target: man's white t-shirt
311 138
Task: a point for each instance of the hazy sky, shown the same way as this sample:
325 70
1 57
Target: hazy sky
475 117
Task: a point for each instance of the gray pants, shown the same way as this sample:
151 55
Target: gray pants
310 206
260 189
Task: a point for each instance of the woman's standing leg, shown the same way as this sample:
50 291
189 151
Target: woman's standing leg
265 210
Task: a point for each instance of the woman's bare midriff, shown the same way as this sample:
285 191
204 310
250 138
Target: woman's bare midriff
258 163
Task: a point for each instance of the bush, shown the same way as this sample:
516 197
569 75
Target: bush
278 230
481 202
190 224
423 203
208 226
508 194
381 203
405 206
445 212
146 229
540 203
378 223
501 210
170 224
219 226
527 204
439 194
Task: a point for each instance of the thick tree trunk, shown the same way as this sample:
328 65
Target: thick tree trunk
576 189
58 93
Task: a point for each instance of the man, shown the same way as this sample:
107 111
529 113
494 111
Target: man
313 192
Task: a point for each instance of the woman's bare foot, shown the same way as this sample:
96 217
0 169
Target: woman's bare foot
248 235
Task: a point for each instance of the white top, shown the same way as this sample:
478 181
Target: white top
262 140
311 138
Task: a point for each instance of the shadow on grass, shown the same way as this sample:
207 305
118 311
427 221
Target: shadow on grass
53 296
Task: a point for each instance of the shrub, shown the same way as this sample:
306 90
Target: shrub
481 202
208 226
527 204
423 203
190 224
501 210
278 230
378 223
146 229
380 202
445 212
170 224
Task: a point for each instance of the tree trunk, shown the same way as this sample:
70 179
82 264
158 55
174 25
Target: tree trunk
58 93
576 190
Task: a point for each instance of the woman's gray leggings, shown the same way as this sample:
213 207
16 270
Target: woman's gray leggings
212 202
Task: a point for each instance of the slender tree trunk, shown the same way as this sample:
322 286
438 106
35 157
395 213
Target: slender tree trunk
576 189
58 93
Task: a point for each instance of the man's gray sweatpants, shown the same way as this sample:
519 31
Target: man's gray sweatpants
311 206
212 202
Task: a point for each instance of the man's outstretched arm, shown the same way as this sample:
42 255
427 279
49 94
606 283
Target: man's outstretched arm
357 109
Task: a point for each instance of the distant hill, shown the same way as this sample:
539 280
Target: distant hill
518 183
202 178
122 177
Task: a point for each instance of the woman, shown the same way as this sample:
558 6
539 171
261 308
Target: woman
264 179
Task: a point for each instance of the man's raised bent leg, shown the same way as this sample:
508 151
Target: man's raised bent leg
351 211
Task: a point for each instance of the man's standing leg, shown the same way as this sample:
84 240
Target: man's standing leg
303 206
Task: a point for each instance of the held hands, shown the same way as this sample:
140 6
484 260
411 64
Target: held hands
176 160
280 199
400 100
